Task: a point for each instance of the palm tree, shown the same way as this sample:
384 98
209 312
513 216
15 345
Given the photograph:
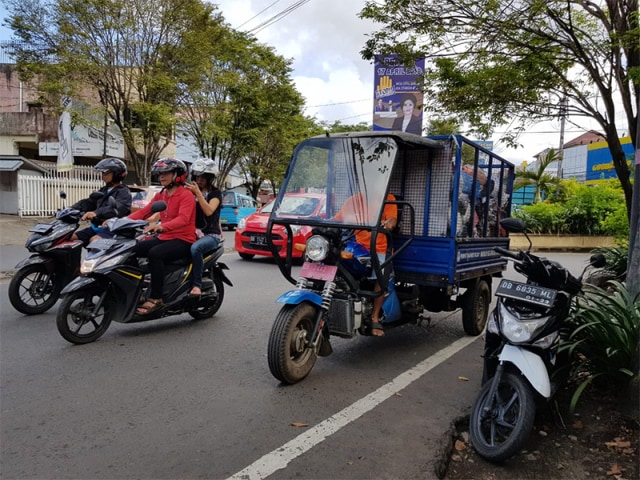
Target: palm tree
543 182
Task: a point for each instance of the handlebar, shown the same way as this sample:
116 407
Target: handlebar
507 253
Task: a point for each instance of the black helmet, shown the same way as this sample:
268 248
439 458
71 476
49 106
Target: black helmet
113 165
174 165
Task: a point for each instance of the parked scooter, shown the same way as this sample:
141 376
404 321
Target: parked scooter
113 280
522 364
54 261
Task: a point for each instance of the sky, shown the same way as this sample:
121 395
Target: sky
324 38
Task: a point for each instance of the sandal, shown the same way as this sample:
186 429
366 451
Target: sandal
149 306
376 329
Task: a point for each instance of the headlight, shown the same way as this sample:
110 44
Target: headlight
89 266
42 246
517 330
242 223
317 248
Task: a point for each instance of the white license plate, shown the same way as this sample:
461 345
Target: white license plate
257 240
528 293
318 271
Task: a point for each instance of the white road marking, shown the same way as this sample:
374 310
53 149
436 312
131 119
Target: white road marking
280 457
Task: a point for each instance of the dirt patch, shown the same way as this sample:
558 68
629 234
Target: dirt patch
599 441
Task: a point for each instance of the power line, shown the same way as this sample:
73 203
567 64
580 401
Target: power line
257 15
278 16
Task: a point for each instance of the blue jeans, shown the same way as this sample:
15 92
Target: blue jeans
198 249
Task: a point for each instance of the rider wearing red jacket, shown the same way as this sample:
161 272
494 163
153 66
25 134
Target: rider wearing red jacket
176 230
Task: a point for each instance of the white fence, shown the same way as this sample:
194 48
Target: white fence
40 195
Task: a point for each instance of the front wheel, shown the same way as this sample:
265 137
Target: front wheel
500 426
475 307
290 356
210 302
84 316
34 290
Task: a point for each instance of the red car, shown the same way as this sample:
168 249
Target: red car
251 234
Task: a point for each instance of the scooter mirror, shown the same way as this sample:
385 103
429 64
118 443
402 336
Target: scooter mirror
513 225
158 206
597 260
96 195
63 195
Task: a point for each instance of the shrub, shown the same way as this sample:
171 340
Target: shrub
604 339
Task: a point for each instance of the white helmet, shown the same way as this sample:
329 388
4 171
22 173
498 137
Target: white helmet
203 166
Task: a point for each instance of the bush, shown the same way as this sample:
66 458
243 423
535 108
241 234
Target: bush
602 345
586 210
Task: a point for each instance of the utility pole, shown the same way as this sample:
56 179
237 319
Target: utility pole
563 114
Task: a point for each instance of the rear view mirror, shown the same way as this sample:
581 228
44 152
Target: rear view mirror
158 206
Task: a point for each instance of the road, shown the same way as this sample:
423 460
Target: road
181 399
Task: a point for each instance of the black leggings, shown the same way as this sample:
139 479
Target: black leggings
158 252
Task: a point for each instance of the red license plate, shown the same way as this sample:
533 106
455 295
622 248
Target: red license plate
317 271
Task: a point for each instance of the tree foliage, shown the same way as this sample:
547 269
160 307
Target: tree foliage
135 55
244 111
489 62
541 181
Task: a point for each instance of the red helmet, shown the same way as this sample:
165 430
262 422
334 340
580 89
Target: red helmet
174 165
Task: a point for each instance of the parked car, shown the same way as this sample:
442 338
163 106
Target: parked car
140 196
251 234
235 207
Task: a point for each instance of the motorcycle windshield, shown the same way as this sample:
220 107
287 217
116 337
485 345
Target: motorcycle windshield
352 172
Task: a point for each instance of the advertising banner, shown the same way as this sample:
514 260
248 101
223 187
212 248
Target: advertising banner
65 152
398 99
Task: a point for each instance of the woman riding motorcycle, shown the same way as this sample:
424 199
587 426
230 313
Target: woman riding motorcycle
176 230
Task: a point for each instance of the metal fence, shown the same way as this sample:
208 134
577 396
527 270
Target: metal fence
40 195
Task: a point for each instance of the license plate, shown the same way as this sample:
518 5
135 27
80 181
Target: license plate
317 271
42 228
528 293
257 240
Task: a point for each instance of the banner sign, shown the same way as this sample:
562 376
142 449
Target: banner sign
65 152
398 99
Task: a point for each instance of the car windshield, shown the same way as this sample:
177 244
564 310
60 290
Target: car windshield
298 205
353 172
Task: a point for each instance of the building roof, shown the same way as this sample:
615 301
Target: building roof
11 163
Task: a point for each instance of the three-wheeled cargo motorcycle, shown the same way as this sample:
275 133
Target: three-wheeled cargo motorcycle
449 195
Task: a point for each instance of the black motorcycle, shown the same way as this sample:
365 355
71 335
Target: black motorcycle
53 263
113 281
522 362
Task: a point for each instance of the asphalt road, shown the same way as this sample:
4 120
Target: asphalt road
175 398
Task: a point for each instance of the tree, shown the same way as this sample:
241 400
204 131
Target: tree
541 181
135 55
489 62
241 110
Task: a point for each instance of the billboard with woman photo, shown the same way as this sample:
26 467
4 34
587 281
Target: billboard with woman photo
398 99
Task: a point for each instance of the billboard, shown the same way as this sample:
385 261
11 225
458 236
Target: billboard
398 98
600 162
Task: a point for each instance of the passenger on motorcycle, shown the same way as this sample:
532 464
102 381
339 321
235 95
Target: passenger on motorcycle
114 172
355 210
208 201
176 230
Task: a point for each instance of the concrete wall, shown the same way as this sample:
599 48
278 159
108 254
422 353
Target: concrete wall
560 242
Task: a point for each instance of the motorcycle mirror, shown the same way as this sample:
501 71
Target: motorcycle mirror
158 206
513 225
96 195
597 260
63 195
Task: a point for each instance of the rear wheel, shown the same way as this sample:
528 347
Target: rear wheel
34 290
210 301
83 317
475 307
500 426
290 357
